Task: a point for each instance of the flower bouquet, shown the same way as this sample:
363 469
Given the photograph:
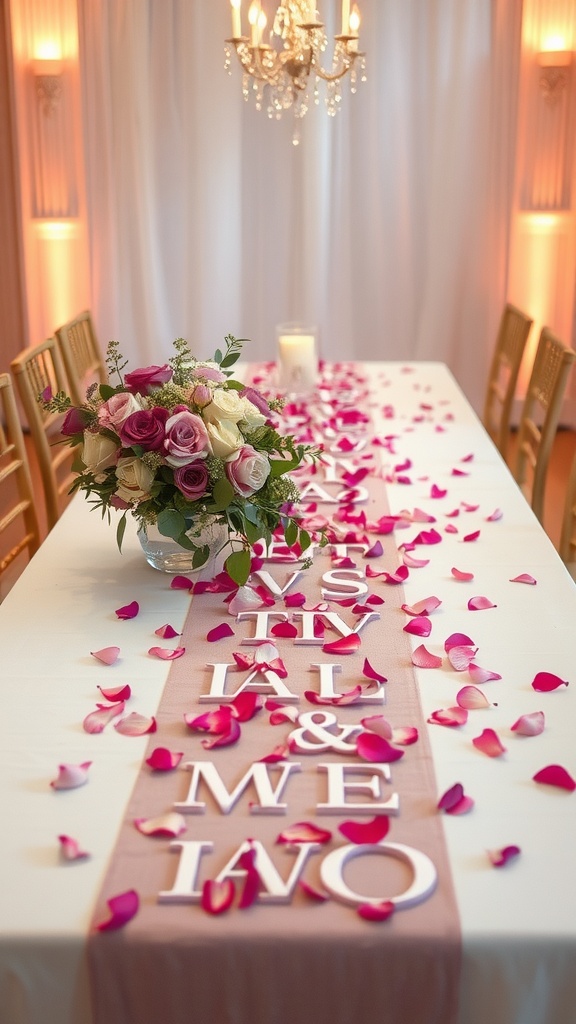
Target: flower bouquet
182 447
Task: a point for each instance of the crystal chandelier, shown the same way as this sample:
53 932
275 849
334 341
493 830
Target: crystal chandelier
284 71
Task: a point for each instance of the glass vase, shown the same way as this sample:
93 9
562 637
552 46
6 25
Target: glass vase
166 555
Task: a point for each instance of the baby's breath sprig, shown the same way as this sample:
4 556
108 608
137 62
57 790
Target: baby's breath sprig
182 362
115 360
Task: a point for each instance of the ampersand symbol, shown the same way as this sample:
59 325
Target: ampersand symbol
316 725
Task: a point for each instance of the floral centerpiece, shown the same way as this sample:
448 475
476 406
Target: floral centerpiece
183 446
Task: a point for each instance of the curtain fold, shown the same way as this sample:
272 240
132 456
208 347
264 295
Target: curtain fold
387 226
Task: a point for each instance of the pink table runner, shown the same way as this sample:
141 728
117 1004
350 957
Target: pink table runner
296 960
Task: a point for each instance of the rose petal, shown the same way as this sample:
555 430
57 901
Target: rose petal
163 760
215 722
529 725
449 716
365 832
123 908
165 654
181 583
304 832
405 735
166 632
471 536
428 537
499 858
252 880
70 776
284 629
378 724
494 516
97 720
544 682
481 675
70 849
129 611
423 658
425 607
418 626
555 775
454 801
295 600
414 563
489 743
372 747
217 897
437 492
312 892
116 693
477 604
219 632
245 599
224 739
167 825
376 911
471 698
457 640
340 700
107 655
135 725
245 706
524 577
345 645
397 577
371 673
459 574
461 657
280 753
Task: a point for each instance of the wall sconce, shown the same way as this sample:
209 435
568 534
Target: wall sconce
48 84
554 70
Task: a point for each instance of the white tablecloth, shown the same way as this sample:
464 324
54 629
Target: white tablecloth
518 923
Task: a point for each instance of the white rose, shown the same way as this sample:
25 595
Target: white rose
118 408
98 452
225 405
251 415
225 438
247 470
134 479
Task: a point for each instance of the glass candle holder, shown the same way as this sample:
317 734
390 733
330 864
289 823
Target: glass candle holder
297 357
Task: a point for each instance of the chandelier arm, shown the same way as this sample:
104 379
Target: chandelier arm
328 76
250 60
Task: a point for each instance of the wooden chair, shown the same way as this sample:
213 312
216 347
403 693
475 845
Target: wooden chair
35 369
81 355
509 349
19 530
567 546
540 415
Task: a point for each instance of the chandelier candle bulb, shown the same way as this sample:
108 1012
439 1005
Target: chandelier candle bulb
236 20
253 18
345 17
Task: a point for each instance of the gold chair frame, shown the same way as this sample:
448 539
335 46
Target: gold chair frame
14 463
567 546
508 352
83 361
540 416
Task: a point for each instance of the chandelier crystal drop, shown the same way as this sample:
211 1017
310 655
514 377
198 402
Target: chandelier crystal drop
283 71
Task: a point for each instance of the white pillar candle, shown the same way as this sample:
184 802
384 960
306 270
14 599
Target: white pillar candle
236 23
297 359
345 17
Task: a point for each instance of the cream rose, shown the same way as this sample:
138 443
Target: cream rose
98 452
134 479
225 438
251 416
225 405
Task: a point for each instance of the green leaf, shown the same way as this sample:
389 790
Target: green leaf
250 512
218 356
120 529
280 466
291 533
237 566
171 523
253 533
201 556
305 539
106 391
235 385
230 359
223 494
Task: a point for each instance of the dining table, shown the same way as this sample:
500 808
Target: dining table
343 791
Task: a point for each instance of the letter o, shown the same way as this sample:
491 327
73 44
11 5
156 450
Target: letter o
422 885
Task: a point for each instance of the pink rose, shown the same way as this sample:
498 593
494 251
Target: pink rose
192 480
147 378
247 470
74 422
146 428
117 409
186 439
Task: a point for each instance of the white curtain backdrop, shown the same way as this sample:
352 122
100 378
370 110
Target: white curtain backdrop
387 226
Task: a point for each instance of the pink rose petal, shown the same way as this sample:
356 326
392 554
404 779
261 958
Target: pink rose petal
499 858
135 725
414 563
70 849
449 716
129 611
489 743
457 640
471 698
97 720
340 700
108 655
245 600
312 893
428 537
394 578
371 673
425 607
167 825
365 832
481 675
217 897
215 722
372 747
219 632
345 645
116 693
245 706
405 735
524 577
459 574
163 760
284 629
181 583
454 800
166 654
494 516
224 739
555 775
123 908
544 682
295 600
166 632
252 880
376 911
304 832
70 776
418 626
461 657
529 725
477 604
438 492
423 658
471 536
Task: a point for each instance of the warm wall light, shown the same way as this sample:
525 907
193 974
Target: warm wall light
554 71
48 84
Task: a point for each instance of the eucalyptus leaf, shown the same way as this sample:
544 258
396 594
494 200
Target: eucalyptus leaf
280 466
291 533
237 566
170 523
106 391
305 539
223 494
201 556
120 530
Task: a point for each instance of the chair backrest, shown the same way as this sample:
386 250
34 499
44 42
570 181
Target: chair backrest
18 521
540 416
83 361
510 344
567 546
35 369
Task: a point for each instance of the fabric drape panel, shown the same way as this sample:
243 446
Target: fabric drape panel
387 226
